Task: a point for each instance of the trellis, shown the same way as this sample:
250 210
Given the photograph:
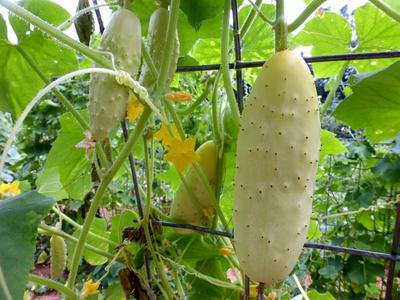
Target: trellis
238 65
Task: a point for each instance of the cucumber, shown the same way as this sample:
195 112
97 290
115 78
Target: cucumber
107 99
184 208
276 165
84 25
58 256
157 39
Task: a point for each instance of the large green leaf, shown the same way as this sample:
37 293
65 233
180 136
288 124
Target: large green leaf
258 44
18 81
374 104
67 163
188 35
199 10
328 33
44 9
375 32
19 218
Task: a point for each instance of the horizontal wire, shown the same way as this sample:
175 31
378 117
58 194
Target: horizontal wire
313 59
333 248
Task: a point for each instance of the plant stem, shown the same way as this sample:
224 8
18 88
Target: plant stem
145 225
54 285
281 28
250 19
261 14
225 63
78 226
305 14
58 34
391 12
216 127
108 176
332 92
48 230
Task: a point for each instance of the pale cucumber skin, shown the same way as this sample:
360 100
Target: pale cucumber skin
157 39
183 208
58 256
107 99
277 160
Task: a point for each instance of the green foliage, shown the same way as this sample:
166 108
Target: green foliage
67 171
46 54
19 218
358 176
377 111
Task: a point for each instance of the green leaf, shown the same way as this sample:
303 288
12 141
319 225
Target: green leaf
328 33
67 163
99 226
315 295
388 169
207 51
19 218
188 35
143 10
374 104
202 289
376 32
331 269
313 231
44 9
330 145
199 10
258 44
19 83
3 28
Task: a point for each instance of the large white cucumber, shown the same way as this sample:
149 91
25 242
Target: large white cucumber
277 159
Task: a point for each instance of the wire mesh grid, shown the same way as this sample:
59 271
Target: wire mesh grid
238 65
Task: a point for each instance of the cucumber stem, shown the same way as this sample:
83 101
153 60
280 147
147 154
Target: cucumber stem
281 28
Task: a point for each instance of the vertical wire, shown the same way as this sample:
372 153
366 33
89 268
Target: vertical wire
238 54
392 263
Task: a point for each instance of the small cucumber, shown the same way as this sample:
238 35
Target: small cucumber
185 208
107 99
157 39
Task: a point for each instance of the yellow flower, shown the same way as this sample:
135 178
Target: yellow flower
10 188
225 251
209 212
90 288
182 154
164 135
134 108
179 96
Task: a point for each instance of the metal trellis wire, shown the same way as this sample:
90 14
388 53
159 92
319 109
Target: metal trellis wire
238 65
